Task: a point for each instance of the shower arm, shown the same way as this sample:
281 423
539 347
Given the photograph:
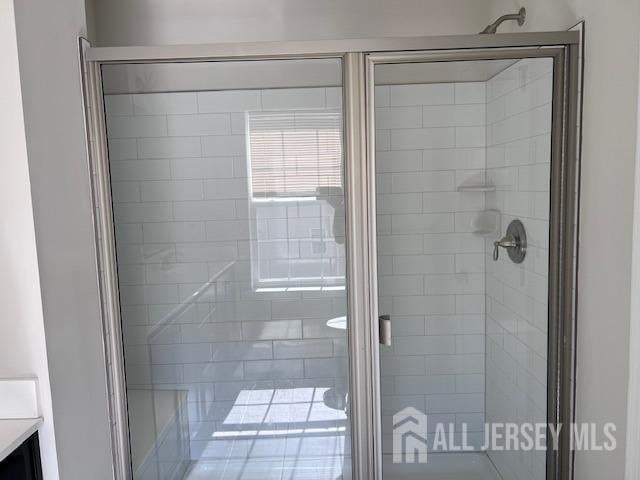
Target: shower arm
519 17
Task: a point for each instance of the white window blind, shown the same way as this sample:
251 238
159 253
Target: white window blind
294 153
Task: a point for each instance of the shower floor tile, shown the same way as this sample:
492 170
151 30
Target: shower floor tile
327 468
443 466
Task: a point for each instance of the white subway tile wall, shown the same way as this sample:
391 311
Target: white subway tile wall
252 356
430 139
518 163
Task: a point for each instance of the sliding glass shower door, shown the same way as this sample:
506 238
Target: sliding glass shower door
229 217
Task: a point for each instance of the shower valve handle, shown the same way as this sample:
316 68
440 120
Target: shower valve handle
504 242
514 242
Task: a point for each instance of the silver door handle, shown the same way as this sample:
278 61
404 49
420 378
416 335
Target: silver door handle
384 329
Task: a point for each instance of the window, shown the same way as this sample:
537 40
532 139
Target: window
297 205
294 154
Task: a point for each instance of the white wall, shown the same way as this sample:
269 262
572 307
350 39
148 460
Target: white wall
633 433
22 343
161 22
48 52
609 129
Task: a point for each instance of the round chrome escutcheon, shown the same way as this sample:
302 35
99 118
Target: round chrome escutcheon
516 230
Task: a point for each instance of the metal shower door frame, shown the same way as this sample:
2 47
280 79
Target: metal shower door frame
358 58
562 292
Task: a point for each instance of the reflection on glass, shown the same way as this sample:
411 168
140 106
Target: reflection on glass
295 164
229 219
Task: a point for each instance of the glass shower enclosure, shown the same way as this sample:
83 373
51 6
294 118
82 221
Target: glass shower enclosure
316 257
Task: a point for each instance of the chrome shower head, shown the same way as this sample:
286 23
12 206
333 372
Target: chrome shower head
519 17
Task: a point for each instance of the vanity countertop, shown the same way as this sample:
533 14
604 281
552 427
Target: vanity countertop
15 431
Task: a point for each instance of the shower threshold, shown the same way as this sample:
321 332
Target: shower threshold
444 466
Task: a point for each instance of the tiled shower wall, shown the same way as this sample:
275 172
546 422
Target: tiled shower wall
518 162
179 184
430 140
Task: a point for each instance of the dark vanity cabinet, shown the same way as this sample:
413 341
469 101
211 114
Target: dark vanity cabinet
24 462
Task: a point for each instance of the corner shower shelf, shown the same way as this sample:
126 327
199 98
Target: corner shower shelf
477 188
486 223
